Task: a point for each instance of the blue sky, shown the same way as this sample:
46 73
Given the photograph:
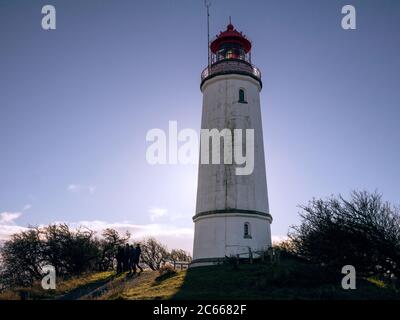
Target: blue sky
76 104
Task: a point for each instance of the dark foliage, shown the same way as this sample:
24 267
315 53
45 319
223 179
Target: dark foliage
109 244
154 253
21 258
363 231
71 252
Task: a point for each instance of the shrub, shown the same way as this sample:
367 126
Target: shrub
154 253
363 231
71 252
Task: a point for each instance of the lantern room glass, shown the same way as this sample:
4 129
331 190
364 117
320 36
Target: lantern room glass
229 51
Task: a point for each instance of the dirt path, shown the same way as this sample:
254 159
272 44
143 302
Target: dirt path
109 288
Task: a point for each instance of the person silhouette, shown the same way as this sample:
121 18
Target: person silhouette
120 257
126 258
138 252
132 254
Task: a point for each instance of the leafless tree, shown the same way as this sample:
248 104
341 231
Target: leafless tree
154 254
363 231
180 255
71 252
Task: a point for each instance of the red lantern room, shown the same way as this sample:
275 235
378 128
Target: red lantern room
230 53
230 44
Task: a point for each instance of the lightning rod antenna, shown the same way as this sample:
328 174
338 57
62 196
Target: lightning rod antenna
208 5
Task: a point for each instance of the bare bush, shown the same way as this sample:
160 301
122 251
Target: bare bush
70 252
363 231
180 255
154 253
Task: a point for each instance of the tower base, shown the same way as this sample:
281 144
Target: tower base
234 233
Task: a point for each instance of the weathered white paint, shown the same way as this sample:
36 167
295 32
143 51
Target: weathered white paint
222 234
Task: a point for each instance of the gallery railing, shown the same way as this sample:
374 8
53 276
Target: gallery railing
231 66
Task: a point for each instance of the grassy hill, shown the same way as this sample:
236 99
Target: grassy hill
288 280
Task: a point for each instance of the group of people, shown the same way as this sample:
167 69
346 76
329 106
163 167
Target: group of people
128 258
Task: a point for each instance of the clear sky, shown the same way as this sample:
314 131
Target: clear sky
76 104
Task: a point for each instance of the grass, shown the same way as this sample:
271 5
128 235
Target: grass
63 287
289 279
155 288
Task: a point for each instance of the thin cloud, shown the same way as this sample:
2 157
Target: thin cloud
77 188
278 239
27 207
156 213
9 217
8 226
6 231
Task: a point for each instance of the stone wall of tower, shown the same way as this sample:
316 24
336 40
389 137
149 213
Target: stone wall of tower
218 185
226 201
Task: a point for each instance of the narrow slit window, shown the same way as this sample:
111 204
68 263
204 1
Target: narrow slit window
242 96
246 230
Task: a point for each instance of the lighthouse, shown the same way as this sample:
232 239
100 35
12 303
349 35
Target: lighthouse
232 212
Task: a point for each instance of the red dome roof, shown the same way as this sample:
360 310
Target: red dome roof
230 35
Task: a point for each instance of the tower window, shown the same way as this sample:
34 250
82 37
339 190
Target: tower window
242 96
246 229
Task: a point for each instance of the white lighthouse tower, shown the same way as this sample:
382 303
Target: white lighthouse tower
232 212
